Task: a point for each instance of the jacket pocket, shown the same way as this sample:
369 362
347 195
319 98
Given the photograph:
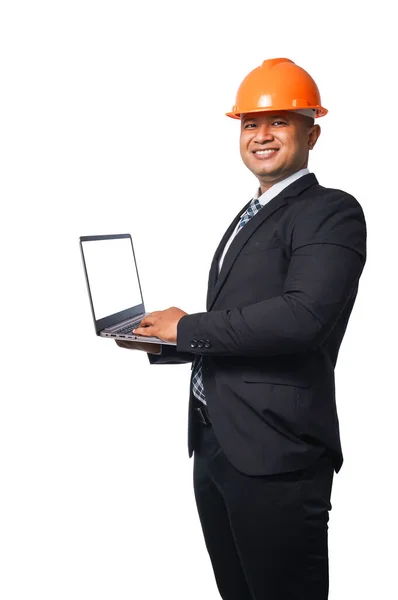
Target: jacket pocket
261 245
288 378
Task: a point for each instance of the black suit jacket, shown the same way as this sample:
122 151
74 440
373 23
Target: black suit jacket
276 316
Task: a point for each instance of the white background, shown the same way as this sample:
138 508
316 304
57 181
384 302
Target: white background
112 121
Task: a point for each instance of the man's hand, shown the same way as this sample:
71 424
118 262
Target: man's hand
162 324
144 346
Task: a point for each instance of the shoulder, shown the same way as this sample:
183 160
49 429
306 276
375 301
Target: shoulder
329 215
319 200
324 196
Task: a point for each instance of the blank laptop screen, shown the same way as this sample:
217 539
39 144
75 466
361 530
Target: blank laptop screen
112 276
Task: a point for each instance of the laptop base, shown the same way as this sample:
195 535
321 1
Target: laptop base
136 338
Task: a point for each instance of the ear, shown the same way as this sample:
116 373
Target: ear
313 136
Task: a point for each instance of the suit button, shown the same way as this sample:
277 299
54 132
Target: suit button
194 343
207 344
200 344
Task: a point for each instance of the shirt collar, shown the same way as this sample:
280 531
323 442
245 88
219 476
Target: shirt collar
275 189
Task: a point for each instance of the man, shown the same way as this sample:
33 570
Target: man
262 414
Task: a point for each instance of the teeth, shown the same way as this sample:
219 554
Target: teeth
265 151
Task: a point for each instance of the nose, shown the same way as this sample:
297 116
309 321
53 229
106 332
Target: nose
263 134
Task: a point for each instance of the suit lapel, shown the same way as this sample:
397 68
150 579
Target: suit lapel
215 284
214 265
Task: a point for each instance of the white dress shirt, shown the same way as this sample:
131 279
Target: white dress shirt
273 191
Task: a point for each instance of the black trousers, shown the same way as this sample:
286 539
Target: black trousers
266 535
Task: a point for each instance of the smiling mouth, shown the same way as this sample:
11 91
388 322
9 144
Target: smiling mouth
265 153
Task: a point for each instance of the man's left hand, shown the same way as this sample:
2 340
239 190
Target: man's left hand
162 324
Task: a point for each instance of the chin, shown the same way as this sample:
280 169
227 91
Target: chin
275 171
273 166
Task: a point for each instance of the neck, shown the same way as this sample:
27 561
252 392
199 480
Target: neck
266 185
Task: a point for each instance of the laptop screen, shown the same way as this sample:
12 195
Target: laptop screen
112 275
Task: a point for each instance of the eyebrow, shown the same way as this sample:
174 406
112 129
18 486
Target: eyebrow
277 116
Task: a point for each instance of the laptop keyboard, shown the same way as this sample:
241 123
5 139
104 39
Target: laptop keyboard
128 328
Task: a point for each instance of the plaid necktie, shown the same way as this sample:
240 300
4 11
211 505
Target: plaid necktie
197 377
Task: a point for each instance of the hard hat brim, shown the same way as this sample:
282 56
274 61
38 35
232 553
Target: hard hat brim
320 111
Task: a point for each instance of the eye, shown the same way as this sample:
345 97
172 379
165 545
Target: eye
249 125
279 123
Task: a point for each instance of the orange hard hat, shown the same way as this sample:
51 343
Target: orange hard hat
279 84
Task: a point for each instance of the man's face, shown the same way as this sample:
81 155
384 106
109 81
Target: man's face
273 145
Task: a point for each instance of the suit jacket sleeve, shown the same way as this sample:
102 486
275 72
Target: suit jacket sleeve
328 243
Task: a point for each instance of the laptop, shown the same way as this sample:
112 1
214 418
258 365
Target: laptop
114 287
